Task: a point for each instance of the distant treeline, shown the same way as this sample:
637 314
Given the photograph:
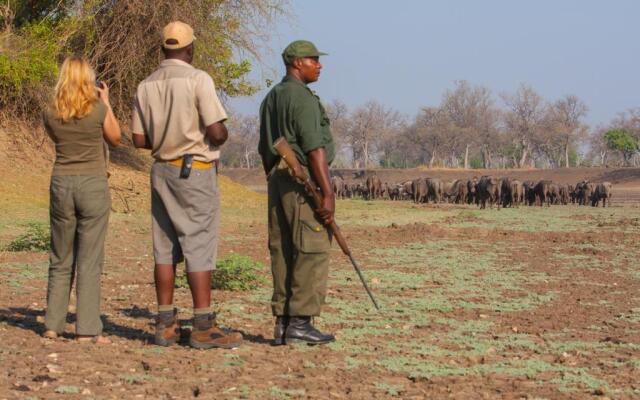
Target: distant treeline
470 128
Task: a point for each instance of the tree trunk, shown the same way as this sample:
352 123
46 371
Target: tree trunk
246 159
433 158
365 154
487 161
523 159
466 157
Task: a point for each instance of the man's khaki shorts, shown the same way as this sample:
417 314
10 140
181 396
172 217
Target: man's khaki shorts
186 216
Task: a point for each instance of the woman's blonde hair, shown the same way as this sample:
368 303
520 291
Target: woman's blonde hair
75 93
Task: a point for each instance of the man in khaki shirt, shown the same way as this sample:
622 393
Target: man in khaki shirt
178 116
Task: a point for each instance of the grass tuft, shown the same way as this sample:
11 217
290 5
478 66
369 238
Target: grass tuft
235 273
36 238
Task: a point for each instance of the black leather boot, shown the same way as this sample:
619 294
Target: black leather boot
300 329
279 330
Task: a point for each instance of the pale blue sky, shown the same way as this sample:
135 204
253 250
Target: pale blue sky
406 53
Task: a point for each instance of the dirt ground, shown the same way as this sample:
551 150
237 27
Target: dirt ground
535 303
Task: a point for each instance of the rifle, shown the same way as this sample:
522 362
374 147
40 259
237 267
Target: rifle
284 150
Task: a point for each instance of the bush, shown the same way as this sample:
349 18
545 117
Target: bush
28 69
36 238
235 272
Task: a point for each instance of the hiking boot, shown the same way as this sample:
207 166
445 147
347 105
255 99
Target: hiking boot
279 329
206 335
167 329
300 329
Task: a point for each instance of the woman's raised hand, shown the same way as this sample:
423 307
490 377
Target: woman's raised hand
103 92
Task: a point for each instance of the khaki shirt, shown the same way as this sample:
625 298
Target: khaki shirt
173 107
292 110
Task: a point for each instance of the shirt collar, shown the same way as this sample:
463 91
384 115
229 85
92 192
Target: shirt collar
288 78
173 62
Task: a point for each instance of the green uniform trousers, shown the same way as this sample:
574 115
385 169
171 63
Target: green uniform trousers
79 215
299 245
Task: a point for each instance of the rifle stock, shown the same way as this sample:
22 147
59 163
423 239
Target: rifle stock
284 150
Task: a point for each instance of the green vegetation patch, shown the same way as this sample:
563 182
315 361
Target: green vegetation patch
235 272
36 238
390 389
280 393
67 389
22 276
31 61
473 275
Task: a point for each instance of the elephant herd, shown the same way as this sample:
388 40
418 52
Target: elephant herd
499 192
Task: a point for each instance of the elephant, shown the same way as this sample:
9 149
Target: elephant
602 192
506 195
488 190
419 190
338 187
374 187
564 194
584 191
406 192
529 194
434 189
472 191
517 192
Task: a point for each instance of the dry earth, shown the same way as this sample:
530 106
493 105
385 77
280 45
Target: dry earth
520 303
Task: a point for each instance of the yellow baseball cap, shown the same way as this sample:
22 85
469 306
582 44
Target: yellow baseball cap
177 35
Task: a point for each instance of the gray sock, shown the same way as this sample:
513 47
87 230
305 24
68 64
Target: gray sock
202 322
166 317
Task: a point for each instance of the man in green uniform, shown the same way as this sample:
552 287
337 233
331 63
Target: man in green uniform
299 240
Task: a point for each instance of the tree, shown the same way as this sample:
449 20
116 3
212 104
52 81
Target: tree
598 147
472 119
622 141
120 39
338 114
523 119
368 127
565 120
240 149
431 133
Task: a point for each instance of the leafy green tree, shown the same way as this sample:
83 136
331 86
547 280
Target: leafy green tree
28 68
622 141
121 40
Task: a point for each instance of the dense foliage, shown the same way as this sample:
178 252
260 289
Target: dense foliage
121 40
622 141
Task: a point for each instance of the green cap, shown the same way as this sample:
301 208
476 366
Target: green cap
300 49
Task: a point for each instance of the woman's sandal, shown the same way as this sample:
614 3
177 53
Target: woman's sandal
98 339
49 334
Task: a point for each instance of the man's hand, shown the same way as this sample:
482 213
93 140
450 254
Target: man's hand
327 210
319 169
141 141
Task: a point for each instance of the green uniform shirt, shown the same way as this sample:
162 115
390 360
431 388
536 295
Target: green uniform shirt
292 110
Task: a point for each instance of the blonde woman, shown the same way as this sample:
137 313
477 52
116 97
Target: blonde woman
79 121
